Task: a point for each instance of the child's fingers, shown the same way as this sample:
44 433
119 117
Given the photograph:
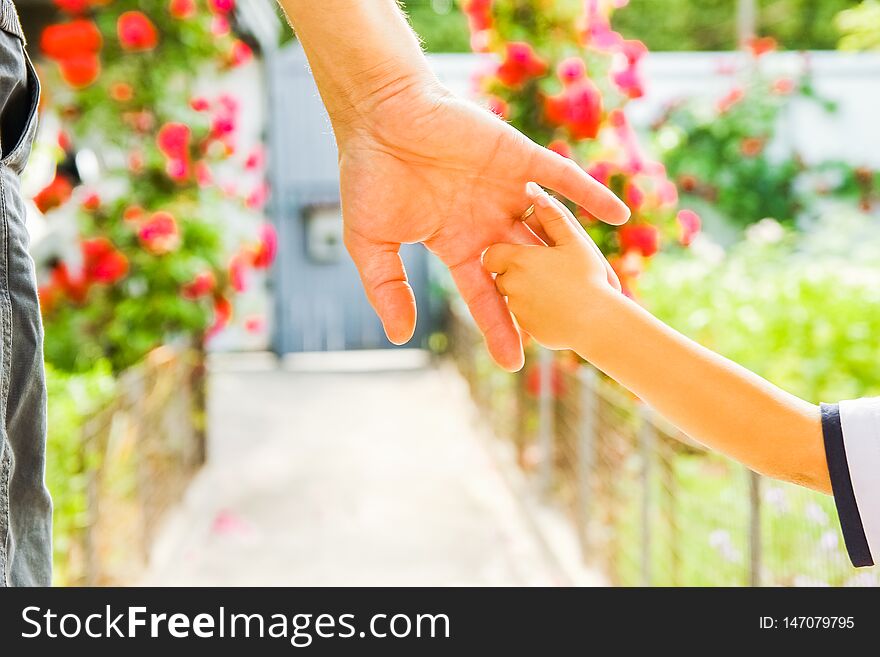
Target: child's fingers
551 216
498 257
537 229
499 285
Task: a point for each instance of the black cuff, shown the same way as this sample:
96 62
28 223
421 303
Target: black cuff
844 497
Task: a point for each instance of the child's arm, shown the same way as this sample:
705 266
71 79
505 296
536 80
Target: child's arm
561 295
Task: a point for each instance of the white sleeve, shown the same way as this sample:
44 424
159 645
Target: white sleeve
852 447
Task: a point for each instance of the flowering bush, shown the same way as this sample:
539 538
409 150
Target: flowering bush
728 154
155 260
562 76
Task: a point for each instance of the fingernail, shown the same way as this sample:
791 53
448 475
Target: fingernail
539 196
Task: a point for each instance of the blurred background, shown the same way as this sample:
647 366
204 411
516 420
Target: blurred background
224 406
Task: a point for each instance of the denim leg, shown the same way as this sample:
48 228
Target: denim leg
25 506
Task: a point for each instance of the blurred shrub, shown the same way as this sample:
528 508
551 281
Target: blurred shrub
860 26
711 24
800 309
563 77
154 255
72 400
442 27
730 153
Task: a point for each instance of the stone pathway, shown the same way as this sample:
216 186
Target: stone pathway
327 478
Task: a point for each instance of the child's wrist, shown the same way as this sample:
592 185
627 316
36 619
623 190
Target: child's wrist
595 319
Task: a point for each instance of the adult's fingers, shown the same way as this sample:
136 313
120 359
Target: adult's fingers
490 312
384 279
566 177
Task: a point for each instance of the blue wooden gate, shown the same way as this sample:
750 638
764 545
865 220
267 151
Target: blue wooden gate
319 302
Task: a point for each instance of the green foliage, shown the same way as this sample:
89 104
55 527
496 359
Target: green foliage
711 24
860 26
685 25
72 399
802 310
440 24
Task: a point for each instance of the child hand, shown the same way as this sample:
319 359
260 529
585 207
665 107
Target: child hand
550 289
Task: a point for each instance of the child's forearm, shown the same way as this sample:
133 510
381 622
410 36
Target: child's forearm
710 398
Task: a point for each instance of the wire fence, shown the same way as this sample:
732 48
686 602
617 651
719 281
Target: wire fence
650 506
139 454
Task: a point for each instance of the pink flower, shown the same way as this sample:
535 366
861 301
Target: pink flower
635 197
630 82
220 26
689 224
571 70
159 234
204 177
783 86
240 53
221 6
256 200
667 193
520 64
238 272
267 249
256 159
173 140
733 97
200 104
255 324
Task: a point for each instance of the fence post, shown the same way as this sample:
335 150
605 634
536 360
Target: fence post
587 440
754 529
647 440
545 419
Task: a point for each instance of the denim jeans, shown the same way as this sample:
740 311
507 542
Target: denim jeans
25 506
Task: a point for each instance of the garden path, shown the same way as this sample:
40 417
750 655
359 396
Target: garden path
320 474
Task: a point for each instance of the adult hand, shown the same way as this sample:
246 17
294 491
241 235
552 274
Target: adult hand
422 165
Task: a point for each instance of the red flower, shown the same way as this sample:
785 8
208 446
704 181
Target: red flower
635 197
159 234
91 202
54 194
222 315
103 262
578 108
76 288
642 238
751 146
221 6
689 224
136 32
70 39
121 92
133 213
199 104
479 13
561 147
265 254
519 65
734 96
760 46
182 9
201 285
